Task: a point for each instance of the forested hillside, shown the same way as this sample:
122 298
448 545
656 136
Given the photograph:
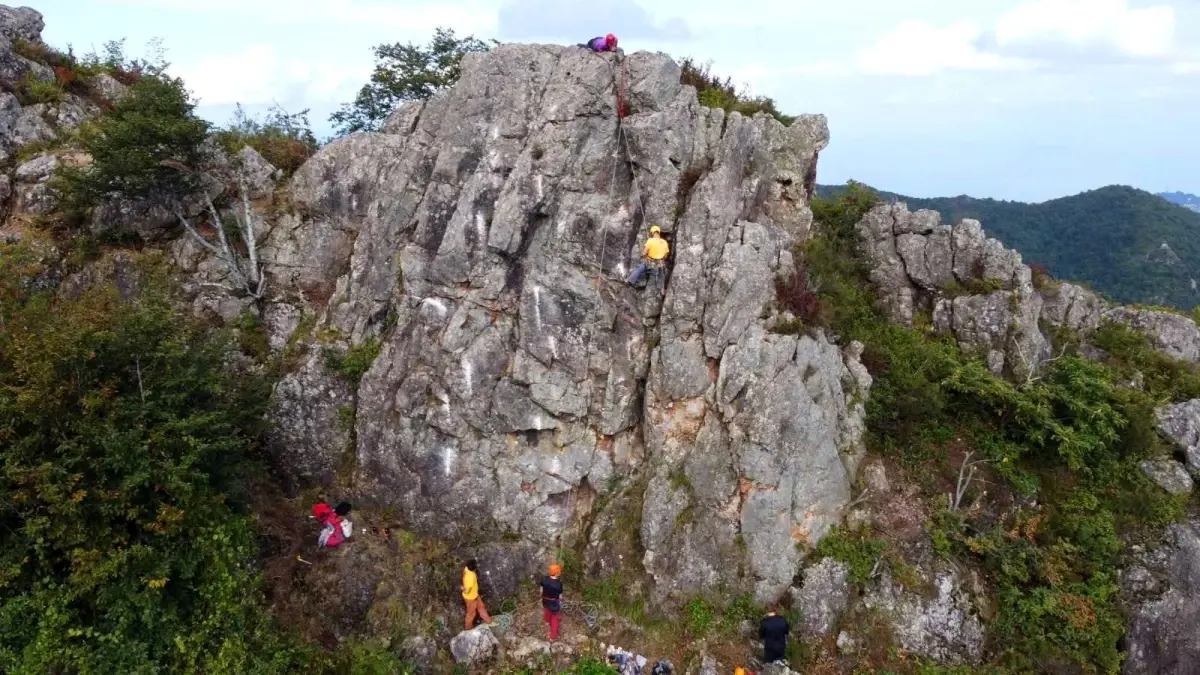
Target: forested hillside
1129 244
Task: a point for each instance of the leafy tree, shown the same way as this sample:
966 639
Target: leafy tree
152 147
139 148
124 541
406 72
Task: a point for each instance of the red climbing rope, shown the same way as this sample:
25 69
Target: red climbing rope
622 83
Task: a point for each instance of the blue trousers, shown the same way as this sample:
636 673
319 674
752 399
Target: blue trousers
645 268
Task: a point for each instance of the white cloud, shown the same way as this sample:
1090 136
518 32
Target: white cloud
1110 24
417 17
258 75
917 48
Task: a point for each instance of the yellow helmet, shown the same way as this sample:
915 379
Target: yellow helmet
655 228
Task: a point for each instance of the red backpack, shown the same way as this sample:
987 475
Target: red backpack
332 534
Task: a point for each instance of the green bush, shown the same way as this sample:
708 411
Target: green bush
284 139
856 548
355 361
150 146
714 92
589 665
31 91
125 544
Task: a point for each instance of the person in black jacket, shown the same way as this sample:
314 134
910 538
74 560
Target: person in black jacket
773 630
552 590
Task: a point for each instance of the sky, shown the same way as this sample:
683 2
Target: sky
1010 99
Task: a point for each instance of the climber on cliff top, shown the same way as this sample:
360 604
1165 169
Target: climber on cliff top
654 256
608 43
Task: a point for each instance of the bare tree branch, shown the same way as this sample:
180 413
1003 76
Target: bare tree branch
1031 376
248 275
966 474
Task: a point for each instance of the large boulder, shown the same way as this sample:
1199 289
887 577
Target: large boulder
474 646
1173 334
21 23
1163 591
944 627
1180 423
484 237
822 597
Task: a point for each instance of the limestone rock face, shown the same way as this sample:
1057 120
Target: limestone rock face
944 628
1174 335
1180 424
974 288
1164 594
484 237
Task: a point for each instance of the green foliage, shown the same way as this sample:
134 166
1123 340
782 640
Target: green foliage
284 139
701 616
856 548
406 72
1110 238
148 146
113 60
32 90
714 92
1072 438
125 544
590 665
355 361
366 657
1131 354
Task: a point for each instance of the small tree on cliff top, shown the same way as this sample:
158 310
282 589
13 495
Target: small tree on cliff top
406 72
151 148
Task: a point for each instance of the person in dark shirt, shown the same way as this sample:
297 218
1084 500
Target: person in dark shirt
774 633
552 589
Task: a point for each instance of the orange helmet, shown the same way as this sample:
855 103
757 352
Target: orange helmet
555 569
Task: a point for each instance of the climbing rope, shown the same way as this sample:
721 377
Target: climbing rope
620 79
588 612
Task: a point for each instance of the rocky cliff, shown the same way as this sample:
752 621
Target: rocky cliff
459 346
483 238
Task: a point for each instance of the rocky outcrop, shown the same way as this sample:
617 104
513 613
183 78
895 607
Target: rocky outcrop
484 238
1175 335
944 628
1163 591
823 597
973 288
1180 424
985 296
474 646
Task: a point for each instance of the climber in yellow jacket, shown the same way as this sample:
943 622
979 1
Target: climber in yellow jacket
470 593
654 259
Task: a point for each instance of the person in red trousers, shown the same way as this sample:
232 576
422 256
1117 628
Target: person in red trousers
552 590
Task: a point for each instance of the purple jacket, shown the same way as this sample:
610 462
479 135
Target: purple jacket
598 44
